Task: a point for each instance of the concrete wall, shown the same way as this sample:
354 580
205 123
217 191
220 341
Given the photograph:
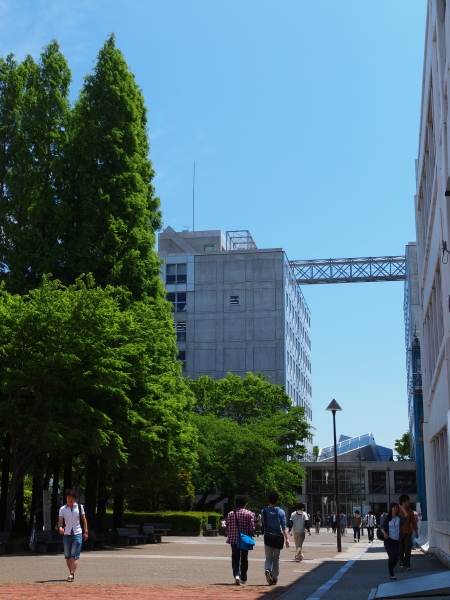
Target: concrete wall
244 312
433 226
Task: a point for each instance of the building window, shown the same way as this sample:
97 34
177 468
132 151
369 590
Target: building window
182 359
176 273
440 464
234 300
178 300
208 248
180 329
377 482
405 482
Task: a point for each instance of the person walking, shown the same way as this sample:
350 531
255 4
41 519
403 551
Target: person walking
391 527
239 521
274 521
409 525
72 525
317 520
356 524
258 522
342 522
371 524
299 525
333 522
328 522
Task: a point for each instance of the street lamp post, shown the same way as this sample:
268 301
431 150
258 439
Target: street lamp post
334 406
360 458
388 471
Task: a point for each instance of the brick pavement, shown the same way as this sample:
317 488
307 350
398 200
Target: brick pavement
30 591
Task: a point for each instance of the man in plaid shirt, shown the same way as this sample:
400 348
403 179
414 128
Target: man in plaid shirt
239 558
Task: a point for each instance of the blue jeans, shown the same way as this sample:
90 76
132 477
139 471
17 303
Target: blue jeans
239 562
392 548
72 545
356 533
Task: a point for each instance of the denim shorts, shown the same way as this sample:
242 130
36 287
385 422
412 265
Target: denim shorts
72 545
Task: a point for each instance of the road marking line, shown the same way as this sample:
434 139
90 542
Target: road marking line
323 589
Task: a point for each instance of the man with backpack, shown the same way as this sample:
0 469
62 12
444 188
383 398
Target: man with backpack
299 524
275 536
72 525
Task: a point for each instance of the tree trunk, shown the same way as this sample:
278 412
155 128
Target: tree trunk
67 476
102 496
55 495
201 503
36 503
20 525
6 462
16 480
119 503
91 488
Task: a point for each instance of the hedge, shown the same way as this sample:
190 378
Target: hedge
181 521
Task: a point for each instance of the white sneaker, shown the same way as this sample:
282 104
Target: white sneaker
237 580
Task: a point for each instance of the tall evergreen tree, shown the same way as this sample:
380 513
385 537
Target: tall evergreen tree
111 209
33 171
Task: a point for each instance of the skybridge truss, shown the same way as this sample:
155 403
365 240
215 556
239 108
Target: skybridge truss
349 270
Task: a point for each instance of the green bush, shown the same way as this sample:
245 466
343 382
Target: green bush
192 522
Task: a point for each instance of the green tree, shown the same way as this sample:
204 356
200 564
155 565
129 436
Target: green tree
403 447
33 128
250 438
111 212
315 453
57 346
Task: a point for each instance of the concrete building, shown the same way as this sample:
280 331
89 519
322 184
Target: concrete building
413 313
368 480
237 308
433 235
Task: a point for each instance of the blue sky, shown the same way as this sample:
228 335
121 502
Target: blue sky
302 118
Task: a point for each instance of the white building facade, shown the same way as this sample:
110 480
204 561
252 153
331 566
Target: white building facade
432 212
237 309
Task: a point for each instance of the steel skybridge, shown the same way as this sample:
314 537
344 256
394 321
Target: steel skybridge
349 270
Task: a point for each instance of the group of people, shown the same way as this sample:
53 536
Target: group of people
272 523
396 526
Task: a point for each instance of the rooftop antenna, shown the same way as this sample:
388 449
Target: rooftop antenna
193 201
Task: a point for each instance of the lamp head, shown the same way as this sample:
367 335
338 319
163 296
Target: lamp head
333 406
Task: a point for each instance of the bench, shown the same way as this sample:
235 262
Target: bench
209 531
160 528
136 535
48 541
4 541
94 541
152 537
132 536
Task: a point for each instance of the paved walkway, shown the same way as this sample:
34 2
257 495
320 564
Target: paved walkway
191 568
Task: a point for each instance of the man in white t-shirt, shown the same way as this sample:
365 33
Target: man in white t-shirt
299 524
74 531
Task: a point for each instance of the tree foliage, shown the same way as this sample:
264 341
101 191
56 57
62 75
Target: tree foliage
250 438
402 447
76 197
111 212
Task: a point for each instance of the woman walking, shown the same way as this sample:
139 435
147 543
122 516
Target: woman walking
391 527
356 523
